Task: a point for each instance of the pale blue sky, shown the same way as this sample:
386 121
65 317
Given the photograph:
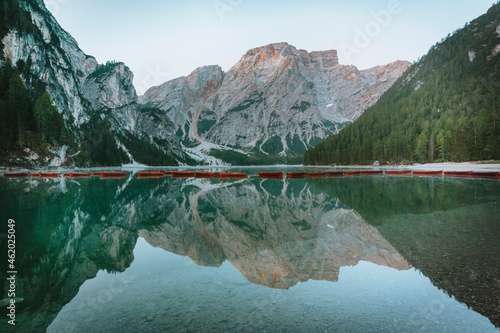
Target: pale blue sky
162 39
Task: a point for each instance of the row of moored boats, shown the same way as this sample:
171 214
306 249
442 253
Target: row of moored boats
239 175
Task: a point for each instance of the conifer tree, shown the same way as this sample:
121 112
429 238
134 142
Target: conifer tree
17 109
47 118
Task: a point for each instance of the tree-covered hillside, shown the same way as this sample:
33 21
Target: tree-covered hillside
28 119
445 107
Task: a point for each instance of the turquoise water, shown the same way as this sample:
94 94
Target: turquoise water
352 254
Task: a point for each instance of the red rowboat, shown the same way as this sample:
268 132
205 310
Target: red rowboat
113 174
150 174
205 174
334 173
371 172
79 174
183 174
352 172
273 175
49 174
224 175
457 173
398 172
17 175
484 174
35 175
428 173
295 175
316 174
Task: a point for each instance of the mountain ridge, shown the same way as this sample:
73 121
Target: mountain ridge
287 99
271 105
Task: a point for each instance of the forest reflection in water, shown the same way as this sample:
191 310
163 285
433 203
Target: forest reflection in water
275 233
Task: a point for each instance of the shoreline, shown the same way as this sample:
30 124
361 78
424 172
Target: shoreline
456 166
445 166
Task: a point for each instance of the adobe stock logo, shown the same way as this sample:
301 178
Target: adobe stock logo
223 6
153 76
372 29
54 5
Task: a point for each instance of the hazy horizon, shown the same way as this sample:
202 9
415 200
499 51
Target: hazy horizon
161 40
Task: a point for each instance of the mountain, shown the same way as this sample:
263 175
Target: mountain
445 107
183 98
98 103
276 101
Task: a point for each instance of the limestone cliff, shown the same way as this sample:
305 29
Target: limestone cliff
275 100
81 89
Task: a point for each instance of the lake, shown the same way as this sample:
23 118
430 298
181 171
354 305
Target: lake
347 254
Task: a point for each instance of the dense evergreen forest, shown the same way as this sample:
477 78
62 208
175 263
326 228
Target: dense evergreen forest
446 107
28 118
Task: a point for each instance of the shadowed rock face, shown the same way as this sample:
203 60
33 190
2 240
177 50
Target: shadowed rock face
53 56
279 93
79 87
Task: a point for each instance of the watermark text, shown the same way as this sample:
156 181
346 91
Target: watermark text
11 272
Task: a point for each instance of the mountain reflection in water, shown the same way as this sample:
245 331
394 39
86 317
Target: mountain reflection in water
449 229
276 233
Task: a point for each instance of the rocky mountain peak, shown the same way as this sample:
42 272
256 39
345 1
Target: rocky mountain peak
183 98
206 78
283 49
110 87
271 50
272 54
276 100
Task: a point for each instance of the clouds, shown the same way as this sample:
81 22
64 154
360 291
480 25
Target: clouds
161 40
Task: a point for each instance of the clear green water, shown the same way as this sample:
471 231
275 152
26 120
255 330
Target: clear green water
352 254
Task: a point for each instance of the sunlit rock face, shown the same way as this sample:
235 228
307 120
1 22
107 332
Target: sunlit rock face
275 94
